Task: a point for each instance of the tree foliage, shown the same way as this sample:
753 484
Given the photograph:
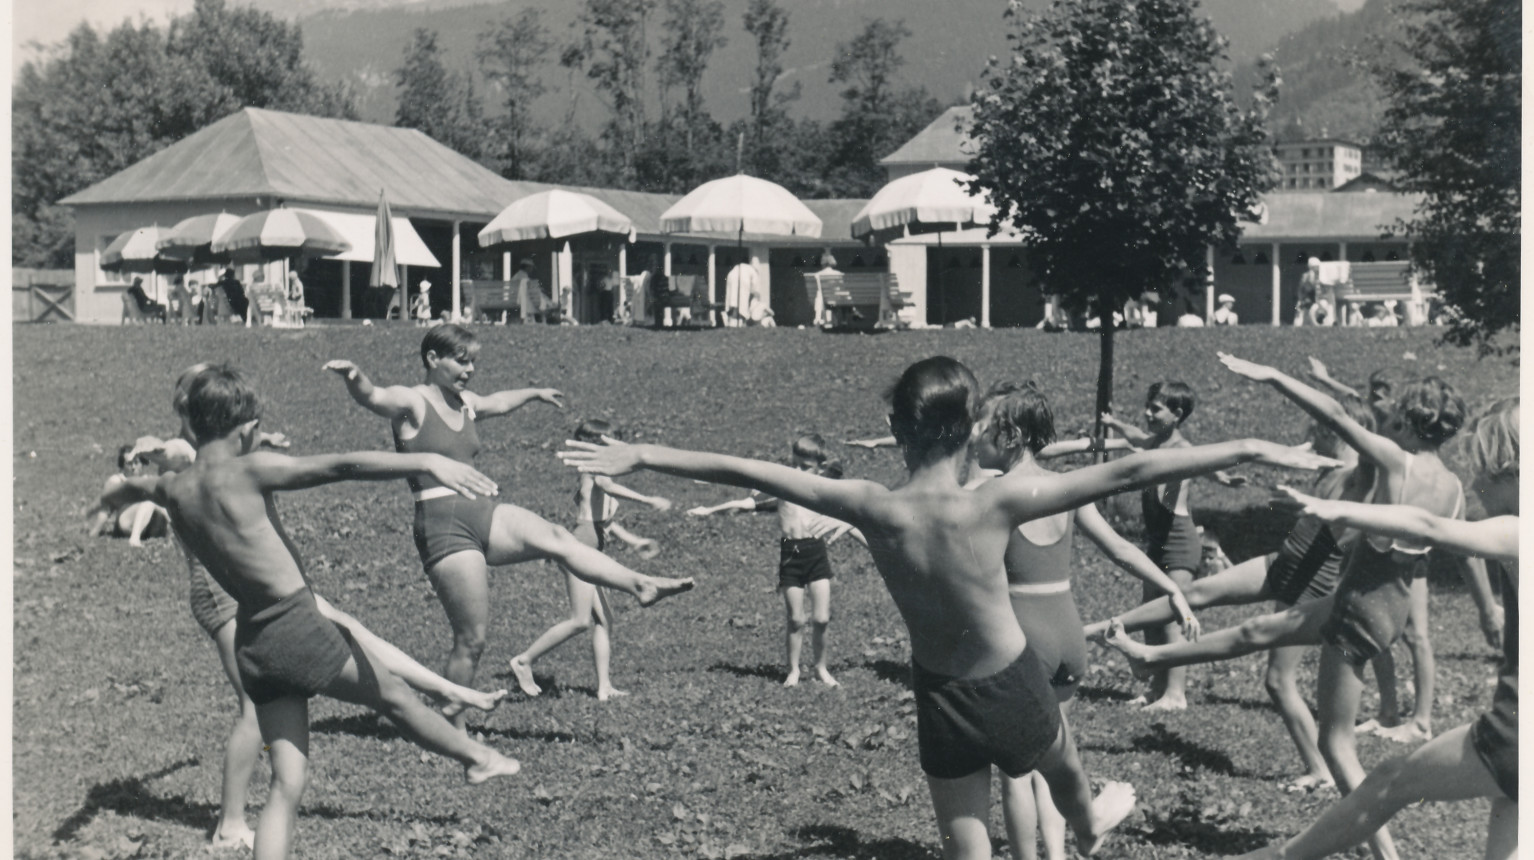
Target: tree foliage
767 23
100 101
512 55
1110 139
614 51
438 101
877 115
1452 128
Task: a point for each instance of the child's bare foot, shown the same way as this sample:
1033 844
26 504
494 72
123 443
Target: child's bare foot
226 836
1119 641
493 766
1111 806
824 675
524 672
793 678
1406 733
653 589
1309 782
1168 703
647 549
605 693
458 698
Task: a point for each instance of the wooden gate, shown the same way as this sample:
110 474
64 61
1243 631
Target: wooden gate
42 295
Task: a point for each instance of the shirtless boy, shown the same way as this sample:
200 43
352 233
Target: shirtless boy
223 509
982 696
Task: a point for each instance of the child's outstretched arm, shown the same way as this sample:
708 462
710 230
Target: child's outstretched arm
1370 446
1084 445
839 498
1136 563
613 488
119 493
391 401
1132 434
503 402
1321 375
1028 497
881 442
275 472
747 504
1495 538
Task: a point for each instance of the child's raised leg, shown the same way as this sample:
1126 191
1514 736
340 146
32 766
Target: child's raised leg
820 619
794 619
518 535
1242 583
1090 819
1283 689
1339 684
285 729
242 751
1168 688
364 682
1300 625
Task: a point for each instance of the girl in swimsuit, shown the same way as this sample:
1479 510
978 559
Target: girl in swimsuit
1476 760
458 538
1305 568
1367 612
596 502
1013 425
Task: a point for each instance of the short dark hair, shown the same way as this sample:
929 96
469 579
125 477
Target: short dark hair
932 407
593 429
1177 395
183 382
1432 409
122 457
812 446
1020 416
447 340
219 400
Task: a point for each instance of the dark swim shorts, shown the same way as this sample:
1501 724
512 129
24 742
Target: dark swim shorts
211 604
1495 738
1010 719
451 524
802 561
289 649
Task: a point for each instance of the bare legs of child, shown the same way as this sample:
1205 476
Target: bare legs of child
518 535
241 753
587 612
1339 684
363 681
1028 811
1168 690
1424 669
818 617
963 805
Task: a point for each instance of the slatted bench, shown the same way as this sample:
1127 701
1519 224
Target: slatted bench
860 301
492 297
1378 282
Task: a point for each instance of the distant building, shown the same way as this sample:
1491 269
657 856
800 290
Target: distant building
945 142
1317 165
1369 180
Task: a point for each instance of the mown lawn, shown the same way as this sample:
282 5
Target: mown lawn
120 708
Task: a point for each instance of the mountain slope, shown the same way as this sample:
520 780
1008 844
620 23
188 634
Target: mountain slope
947 50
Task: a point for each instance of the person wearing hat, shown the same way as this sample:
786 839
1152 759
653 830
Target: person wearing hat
420 306
1225 314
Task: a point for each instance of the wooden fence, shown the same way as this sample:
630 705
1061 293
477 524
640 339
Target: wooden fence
42 295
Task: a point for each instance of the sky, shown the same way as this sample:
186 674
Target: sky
49 21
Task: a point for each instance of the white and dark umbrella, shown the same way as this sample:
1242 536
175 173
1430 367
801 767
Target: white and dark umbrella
279 234
192 239
553 214
137 251
741 204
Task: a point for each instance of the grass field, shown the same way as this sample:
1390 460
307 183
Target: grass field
120 708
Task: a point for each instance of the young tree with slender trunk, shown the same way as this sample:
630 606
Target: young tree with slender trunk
614 51
511 55
767 23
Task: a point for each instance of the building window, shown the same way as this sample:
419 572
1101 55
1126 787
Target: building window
1261 259
103 277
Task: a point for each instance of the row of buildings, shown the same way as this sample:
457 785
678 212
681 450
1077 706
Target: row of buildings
255 159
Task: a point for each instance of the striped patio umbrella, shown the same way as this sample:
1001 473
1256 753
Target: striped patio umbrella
279 234
741 204
136 251
192 239
553 215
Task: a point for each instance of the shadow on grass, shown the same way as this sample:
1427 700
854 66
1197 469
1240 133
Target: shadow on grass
769 671
356 725
132 796
1205 837
829 840
1245 704
890 671
1103 694
1190 754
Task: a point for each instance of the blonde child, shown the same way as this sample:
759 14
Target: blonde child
596 501
804 568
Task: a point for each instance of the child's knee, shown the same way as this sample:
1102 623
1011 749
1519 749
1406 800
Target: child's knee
1278 682
796 621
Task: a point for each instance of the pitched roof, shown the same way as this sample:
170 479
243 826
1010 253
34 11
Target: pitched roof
306 159
940 142
1317 214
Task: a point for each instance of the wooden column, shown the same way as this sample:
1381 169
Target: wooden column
1209 288
457 266
346 290
985 286
1278 310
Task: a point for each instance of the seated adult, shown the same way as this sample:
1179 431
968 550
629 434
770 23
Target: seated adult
135 521
234 300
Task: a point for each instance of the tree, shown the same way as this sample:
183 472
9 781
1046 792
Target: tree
511 56
99 101
614 51
693 32
767 22
876 115
1452 128
1110 139
436 101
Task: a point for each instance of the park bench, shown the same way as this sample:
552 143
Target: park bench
1379 282
489 298
860 301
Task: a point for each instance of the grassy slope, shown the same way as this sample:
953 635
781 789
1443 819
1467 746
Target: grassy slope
120 709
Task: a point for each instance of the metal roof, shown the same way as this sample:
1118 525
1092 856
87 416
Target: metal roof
306 159
940 143
1324 214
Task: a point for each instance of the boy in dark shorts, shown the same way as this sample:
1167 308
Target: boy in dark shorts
223 509
982 696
